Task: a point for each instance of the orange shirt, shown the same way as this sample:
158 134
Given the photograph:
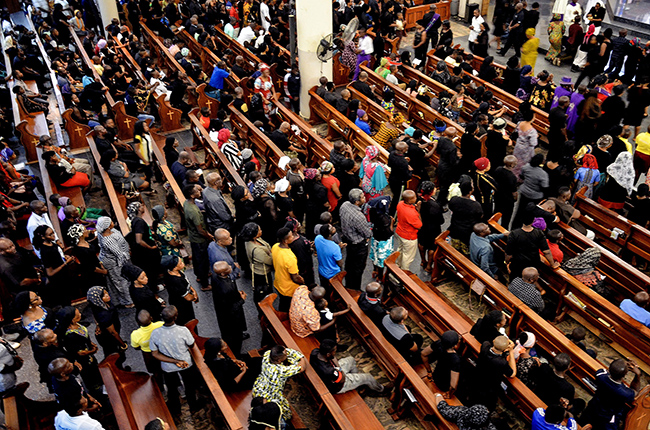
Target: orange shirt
408 221
331 197
304 317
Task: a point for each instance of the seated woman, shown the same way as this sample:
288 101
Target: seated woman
489 327
526 363
62 172
34 316
488 72
232 374
122 179
583 268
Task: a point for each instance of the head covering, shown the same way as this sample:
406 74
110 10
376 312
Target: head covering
380 204
589 161
75 232
361 113
249 231
259 188
101 44
168 262
409 131
583 263
223 135
310 173
185 52
519 348
566 80
499 124
158 212
622 171
590 32
372 152
525 70
103 223
284 162
383 62
64 201
132 209
482 163
585 149
449 339
292 224
212 348
281 185
131 271
539 223
441 128
530 32
556 17
326 167
263 67
247 153
95 297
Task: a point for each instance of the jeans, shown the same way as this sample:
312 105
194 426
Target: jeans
355 264
407 249
354 379
201 262
144 117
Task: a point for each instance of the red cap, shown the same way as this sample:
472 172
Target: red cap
482 163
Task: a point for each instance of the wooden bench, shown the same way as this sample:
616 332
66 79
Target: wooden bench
22 413
396 367
134 396
435 314
520 316
639 416
606 320
160 160
345 411
118 201
341 72
415 13
339 126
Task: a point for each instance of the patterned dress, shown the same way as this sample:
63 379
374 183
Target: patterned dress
263 86
114 252
270 383
555 33
166 233
524 148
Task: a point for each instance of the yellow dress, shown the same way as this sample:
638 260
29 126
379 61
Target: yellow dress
529 52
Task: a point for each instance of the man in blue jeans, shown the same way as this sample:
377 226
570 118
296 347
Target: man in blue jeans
330 259
219 73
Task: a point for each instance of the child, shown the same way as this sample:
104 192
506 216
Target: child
577 336
326 317
399 28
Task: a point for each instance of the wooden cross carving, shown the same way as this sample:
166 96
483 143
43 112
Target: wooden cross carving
127 122
78 130
209 103
171 115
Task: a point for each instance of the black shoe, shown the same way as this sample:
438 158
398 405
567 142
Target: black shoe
245 336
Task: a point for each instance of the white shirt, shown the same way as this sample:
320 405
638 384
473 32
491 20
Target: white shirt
476 28
161 88
63 421
365 45
392 79
37 220
264 13
246 35
570 14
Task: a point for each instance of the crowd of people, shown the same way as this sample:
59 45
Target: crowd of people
317 220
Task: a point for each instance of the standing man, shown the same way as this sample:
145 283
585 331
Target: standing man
557 119
475 28
218 251
364 50
400 172
198 235
330 259
406 232
171 344
431 22
285 263
229 307
595 16
140 340
39 217
265 15
516 28
356 232
217 212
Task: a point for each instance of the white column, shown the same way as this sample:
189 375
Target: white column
313 22
107 10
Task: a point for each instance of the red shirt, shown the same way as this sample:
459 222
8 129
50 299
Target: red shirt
557 253
408 221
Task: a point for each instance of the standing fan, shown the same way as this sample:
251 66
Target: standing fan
327 46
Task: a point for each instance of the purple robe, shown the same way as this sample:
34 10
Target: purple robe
572 111
559 92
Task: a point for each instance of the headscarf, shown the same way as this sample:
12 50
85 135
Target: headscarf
530 32
589 161
371 152
380 204
264 66
168 262
310 173
212 348
95 297
103 223
585 149
185 52
158 212
132 209
259 188
101 44
75 232
326 167
539 223
523 79
590 32
64 201
281 185
583 263
556 17
131 271
622 171
361 113
519 348
222 137
249 231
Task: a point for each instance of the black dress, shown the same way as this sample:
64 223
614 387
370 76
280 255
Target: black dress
58 289
225 370
104 319
178 288
301 247
144 298
78 340
315 206
228 305
145 258
88 262
432 220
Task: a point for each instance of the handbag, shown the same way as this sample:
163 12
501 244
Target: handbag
18 361
477 287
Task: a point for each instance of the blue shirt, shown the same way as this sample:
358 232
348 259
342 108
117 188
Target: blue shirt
328 254
481 252
218 75
219 253
539 423
362 125
636 312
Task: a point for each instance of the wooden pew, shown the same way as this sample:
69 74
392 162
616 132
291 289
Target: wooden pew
606 320
341 72
159 158
128 392
520 316
395 366
118 201
262 145
124 122
345 411
22 413
435 314
76 131
339 125
416 13
639 416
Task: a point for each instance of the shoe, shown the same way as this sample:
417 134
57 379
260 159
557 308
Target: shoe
386 392
245 336
14 345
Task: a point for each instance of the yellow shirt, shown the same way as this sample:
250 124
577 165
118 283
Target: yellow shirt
140 337
643 143
628 145
285 264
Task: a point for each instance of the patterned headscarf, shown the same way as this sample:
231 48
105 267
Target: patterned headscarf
326 167
310 173
292 224
589 161
95 296
103 223
583 263
132 209
622 170
372 152
556 17
75 232
259 188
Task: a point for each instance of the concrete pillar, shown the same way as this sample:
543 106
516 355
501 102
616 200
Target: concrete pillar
107 10
313 22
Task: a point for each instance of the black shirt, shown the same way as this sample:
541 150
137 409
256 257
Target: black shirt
178 288
490 369
332 376
280 139
549 387
432 220
58 174
506 184
557 121
525 246
363 88
484 332
496 146
374 310
640 212
597 14
604 159
465 213
400 172
144 298
447 362
67 392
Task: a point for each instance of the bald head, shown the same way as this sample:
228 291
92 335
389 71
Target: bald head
317 293
222 268
221 234
363 76
641 299
284 127
59 367
530 275
548 206
481 229
510 161
401 147
500 343
144 318
45 337
451 132
409 196
183 157
398 314
345 94
6 246
373 290
214 180
169 314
